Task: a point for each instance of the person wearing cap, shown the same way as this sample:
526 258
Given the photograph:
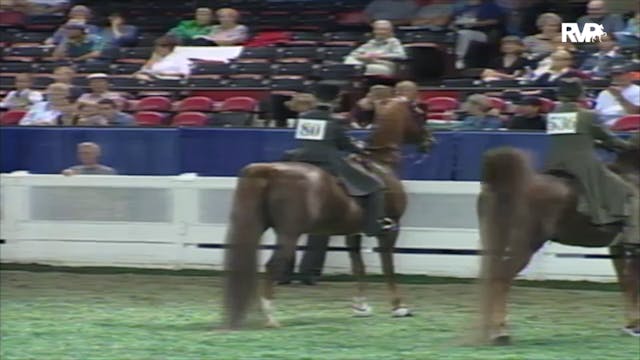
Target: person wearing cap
511 64
528 115
78 45
326 148
479 114
621 98
599 64
187 30
605 197
99 85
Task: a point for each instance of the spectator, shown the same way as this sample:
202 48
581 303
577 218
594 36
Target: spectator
480 114
165 63
187 30
398 12
58 109
88 155
22 97
543 44
560 67
600 63
46 7
99 85
474 22
528 115
619 99
109 110
117 34
379 53
78 15
362 115
64 75
78 45
511 64
435 16
88 114
228 33
630 35
598 13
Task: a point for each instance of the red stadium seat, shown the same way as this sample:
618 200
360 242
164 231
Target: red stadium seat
190 118
12 19
196 103
439 116
441 104
239 103
547 105
627 123
498 103
149 118
12 117
154 103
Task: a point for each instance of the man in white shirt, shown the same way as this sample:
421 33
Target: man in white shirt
620 99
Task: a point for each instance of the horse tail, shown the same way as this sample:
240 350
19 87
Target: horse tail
248 221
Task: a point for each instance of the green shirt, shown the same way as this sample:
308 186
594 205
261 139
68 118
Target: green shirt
188 29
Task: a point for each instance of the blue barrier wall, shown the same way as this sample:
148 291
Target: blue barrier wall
223 152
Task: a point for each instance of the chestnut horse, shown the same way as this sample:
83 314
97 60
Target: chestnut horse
295 198
520 210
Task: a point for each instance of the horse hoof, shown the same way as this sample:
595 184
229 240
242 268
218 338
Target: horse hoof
632 330
362 310
273 324
501 340
401 312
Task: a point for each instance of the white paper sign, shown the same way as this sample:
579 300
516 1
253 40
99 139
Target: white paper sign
309 129
562 123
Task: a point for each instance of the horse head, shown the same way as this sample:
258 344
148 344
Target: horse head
395 124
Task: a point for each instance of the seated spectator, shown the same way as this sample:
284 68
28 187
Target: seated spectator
88 114
64 75
528 115
543 44
58 109
228 33
630 35
479 114
379 53
88 155
110 111
362 115
165 63
619 99
117 34
474 21
99 85
435 16
511 64
559 68
598 13
187 30
23 97
78 46
599 64
398 12
78 15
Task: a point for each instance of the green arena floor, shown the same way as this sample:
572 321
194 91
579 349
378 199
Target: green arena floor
120 316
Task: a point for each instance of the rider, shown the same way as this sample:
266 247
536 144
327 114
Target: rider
323 142
607 198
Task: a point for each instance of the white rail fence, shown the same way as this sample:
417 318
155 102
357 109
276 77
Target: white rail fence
180 222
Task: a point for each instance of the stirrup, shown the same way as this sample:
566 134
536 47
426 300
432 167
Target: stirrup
388 224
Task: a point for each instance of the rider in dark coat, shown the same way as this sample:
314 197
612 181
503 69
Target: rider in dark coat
605 197
324 143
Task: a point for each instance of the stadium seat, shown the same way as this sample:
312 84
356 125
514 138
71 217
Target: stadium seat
343 39
250 69
338 72
334 54
195 103
233 118
123 82
149 118
35 38
190 118
441 104
627 123
240 103
206 82
12 117
210 68
26 53
15 67
288 84
256 54
136 55
301 69
12 19
154 103
124 69
42 81
256 81
89 68
305 39
296 54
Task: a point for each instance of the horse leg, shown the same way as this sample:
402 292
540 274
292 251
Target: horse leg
627 266
281 257
387 243
360 306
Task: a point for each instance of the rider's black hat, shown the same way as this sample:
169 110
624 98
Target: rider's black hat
570 89
326 91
